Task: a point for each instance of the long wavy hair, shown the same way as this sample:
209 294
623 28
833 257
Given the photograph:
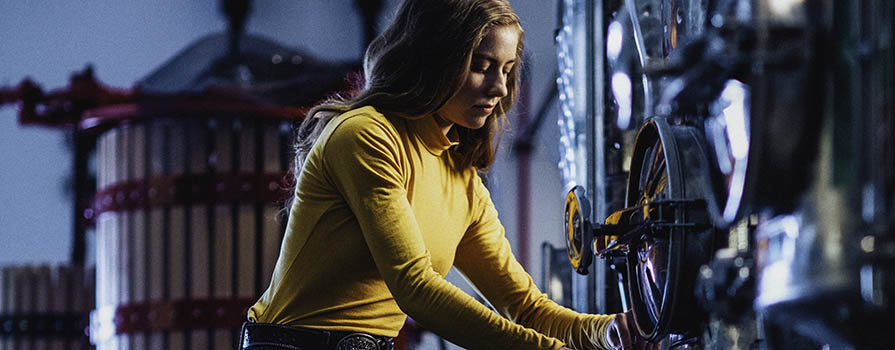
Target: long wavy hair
417 64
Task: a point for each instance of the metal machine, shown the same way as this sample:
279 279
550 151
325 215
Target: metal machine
756 141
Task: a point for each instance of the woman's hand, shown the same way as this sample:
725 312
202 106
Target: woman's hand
622 334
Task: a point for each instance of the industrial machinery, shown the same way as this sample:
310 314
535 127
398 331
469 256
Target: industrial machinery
730 161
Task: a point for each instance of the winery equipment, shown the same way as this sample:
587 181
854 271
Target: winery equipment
756 213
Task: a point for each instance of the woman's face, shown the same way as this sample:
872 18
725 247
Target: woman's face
486 82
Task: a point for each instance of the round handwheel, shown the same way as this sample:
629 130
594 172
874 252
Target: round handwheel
667 171
578 230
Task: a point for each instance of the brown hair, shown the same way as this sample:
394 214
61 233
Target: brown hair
417 64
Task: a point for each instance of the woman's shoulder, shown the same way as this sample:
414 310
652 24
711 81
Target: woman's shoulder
361 125
360 117
359 120
364 118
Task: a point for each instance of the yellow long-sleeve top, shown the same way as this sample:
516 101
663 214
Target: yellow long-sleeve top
380 216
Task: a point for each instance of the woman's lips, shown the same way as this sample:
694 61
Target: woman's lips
486 108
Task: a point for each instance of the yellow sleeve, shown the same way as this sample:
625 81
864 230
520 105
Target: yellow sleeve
363 159
486 259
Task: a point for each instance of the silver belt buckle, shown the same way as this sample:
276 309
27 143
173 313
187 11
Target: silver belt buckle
357 341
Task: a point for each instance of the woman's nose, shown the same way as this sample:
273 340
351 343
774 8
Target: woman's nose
498 86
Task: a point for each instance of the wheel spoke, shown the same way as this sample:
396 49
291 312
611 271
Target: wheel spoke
654 180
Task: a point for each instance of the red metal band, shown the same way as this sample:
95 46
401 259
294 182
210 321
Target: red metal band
191 189
170 315
185 106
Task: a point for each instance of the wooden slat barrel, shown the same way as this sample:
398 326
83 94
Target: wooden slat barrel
44 307
187 228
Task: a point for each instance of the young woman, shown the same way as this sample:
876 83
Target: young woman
388 198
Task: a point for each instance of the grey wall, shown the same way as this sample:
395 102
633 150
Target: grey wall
125 40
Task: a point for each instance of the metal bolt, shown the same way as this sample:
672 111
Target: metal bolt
868 244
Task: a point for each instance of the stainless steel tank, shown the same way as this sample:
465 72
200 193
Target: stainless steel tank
825 267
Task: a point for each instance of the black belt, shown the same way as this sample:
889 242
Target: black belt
263 336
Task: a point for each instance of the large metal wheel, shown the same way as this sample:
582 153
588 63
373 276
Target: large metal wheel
666 181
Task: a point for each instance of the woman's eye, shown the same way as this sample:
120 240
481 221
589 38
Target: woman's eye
479 66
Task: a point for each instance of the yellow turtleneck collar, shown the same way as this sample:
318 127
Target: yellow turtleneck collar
429 132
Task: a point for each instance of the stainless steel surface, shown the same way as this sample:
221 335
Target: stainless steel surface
821 271
633 41
794 99
728 133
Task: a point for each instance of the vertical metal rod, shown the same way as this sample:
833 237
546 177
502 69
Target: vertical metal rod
597 138
370 10
237 12
84 190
